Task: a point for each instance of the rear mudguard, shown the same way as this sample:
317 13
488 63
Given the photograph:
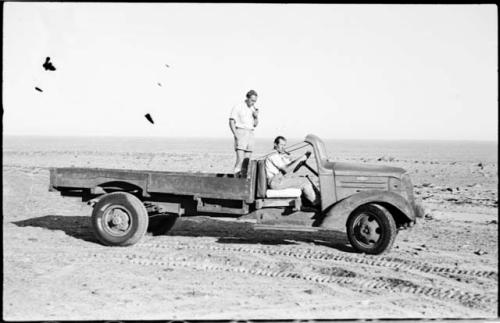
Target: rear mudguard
335 217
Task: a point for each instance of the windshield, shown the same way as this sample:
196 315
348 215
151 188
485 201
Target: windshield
319 148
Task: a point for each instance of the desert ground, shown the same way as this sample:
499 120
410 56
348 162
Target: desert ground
54 269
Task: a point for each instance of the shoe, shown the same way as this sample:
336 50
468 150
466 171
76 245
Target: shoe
309 209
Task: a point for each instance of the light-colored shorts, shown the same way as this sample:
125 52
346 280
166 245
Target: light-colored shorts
244 140
280 182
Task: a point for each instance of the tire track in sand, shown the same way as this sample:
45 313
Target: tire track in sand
330 275
309 254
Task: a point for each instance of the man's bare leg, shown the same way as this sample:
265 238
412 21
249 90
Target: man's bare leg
239 159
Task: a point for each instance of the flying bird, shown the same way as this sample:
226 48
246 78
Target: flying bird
148 116
167 65
38 89
159 84
48 65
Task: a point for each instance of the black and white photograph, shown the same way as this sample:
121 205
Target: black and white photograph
244 161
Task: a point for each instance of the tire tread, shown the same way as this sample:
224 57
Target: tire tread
137 207
385 219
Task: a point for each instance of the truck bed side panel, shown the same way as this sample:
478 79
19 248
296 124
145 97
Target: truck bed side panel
212 187
89 178
220 186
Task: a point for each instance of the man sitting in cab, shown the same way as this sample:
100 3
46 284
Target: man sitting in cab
278 165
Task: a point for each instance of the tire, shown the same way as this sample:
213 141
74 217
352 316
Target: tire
371 229
160 224
119 219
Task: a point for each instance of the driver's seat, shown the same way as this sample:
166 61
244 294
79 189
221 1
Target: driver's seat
264 192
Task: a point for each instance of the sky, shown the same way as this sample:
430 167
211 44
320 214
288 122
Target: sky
425 72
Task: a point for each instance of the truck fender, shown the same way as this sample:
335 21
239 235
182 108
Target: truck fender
335 216
100 190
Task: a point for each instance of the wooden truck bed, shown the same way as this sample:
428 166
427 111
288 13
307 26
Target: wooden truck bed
205 185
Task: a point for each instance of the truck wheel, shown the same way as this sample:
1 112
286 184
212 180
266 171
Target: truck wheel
160 224
371 229
119 219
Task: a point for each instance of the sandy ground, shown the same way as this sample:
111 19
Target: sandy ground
444 267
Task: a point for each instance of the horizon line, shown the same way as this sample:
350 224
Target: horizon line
230 138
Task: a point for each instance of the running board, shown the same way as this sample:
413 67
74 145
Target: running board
285 228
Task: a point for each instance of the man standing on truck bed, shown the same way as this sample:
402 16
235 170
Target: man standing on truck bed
279 164
243 119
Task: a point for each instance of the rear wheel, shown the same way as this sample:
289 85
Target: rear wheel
119 219
371 229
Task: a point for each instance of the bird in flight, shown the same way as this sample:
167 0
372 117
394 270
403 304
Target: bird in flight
38 89
150 119
48 65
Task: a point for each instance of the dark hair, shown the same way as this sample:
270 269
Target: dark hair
250 93
277 139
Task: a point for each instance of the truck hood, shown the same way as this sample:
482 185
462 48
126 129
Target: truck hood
351 169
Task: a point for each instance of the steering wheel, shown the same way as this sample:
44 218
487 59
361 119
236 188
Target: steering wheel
302 163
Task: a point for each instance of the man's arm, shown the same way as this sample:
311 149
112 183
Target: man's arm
255 115
232 126
291 165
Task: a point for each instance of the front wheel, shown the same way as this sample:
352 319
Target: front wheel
119 219
371 229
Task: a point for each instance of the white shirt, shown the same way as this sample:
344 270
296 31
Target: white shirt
243 116
274 163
